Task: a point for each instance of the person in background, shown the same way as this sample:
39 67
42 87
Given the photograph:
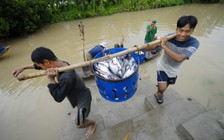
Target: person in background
1 48
95 50
117 45
68 84
150 32
176 51
149 37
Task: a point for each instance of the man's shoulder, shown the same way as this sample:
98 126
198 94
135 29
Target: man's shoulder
155 28
97 47
68 74
193 41
149 25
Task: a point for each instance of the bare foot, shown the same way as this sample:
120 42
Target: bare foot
91 130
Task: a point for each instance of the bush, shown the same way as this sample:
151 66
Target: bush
24 17
4 28
18 17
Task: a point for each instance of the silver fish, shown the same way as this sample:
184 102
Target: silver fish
128 72
116 67
101 69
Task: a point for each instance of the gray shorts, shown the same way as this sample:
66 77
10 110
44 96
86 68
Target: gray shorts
82 114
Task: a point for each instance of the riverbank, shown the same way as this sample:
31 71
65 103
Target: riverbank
29 16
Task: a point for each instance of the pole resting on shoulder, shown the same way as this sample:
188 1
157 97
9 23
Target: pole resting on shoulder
87 63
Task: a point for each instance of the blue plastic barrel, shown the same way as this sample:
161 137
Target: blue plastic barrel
117 90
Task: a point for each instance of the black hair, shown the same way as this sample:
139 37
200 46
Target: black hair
184 20
42 53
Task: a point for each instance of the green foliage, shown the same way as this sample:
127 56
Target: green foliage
100 10
4 28
24 16
18 17
69 15
166 3
191 1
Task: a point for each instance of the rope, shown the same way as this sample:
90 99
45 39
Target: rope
138 53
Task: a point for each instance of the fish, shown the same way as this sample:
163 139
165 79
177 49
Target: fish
102 70
117 67
129 71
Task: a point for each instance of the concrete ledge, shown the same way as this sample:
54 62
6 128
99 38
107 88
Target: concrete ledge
158 124
206 126
170 96
70 132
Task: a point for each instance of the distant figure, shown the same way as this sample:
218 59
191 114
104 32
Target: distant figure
117 45
1 48
149 37
95 50
63 85
150 32
176 51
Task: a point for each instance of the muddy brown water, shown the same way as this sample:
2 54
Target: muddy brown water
29 112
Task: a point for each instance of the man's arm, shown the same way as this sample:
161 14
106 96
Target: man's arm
154 33
175 56
59 90
150 29
151 47
21 69
51 74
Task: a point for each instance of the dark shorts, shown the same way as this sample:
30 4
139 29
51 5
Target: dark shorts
82 114
162 77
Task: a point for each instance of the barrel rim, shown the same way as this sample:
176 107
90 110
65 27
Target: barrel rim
118 80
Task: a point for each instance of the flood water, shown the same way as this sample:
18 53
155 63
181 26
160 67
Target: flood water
29 112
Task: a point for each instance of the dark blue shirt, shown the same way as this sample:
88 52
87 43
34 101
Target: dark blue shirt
72 86
94 51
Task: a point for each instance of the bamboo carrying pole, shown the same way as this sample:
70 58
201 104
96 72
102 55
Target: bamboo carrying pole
87 63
